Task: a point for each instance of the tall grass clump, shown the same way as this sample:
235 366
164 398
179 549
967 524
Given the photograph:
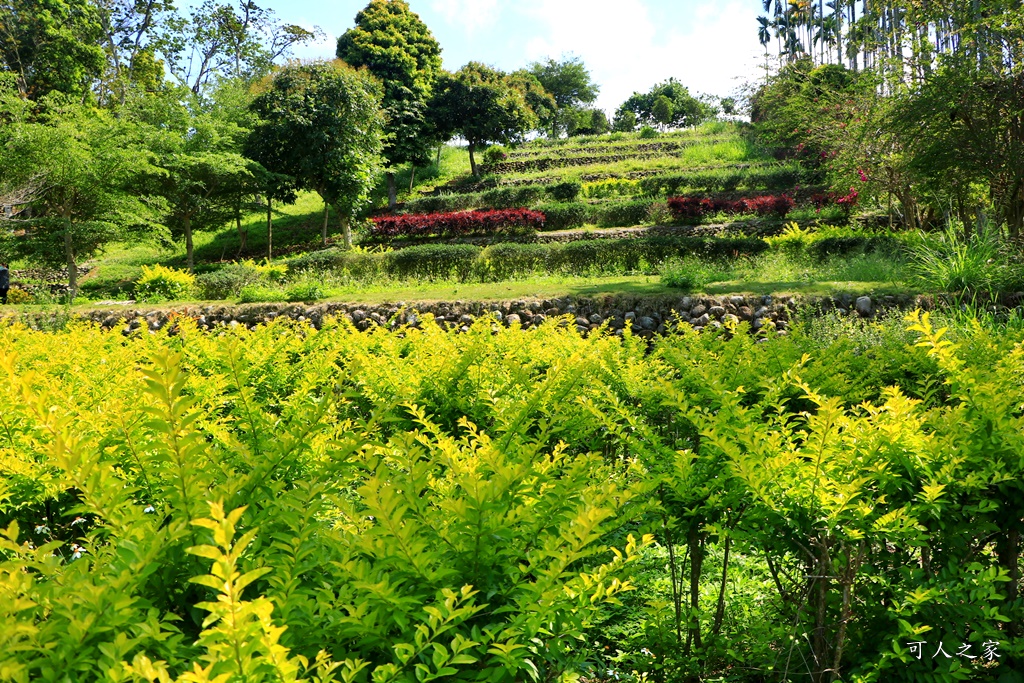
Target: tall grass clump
950 262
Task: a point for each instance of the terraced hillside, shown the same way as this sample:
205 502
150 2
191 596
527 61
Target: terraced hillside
702 210
623 180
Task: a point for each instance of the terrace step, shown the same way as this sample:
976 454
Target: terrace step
759 227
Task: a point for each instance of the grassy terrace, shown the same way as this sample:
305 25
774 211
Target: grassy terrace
714 158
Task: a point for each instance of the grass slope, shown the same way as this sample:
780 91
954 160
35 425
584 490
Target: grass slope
720 147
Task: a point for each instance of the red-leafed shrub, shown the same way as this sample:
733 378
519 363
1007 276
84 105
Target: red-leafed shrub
768 205
457 224
698 208
846 202
684 208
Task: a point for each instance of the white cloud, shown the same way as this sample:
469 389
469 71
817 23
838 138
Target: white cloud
472 15
626 50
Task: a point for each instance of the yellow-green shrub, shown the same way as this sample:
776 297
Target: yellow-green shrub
277 504
161 283
16 295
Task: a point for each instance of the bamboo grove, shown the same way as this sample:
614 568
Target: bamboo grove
286 504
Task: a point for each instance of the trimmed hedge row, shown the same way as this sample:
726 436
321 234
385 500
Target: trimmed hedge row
445 203
697 208
764 179
508 221
509 260
568 215
844 246
512 196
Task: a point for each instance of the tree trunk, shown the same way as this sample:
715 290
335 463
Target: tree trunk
437 162
696 564
323 229
69 255
819 599
270 228
720 611
412 177
392 190
189 250
846 611
346 228
1008 552
243 235
472 160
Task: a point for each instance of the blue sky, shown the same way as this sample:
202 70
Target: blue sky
628 45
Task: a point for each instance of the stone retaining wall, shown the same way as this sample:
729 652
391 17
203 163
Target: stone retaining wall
648 316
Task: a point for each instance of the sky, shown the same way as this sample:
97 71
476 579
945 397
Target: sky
628 45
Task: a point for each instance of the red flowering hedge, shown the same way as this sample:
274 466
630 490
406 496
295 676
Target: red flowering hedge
457 224
698 208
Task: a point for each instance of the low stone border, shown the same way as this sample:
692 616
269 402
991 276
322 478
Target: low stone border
647 316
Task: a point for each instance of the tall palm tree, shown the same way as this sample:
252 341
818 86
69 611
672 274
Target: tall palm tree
764 36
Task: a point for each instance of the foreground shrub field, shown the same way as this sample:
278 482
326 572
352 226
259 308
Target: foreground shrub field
414 505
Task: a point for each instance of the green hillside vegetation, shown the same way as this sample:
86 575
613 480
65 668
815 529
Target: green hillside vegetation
716 158
741 254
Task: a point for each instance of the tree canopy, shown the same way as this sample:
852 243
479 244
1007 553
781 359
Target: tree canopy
482 105
51 45
321 123
675 105
79 169
396 46
569 83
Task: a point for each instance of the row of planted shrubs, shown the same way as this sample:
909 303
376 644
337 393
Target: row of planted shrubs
457 224
551 216
510 260
296 279
767 179
688 209
497 198
612 214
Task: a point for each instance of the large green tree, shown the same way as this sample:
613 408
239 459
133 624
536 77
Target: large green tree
219 40
200 167
50 45
482 105
683 108
129 31
322 124
79 171
394 44
569 83
541 102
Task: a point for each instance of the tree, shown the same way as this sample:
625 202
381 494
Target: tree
587 122
662 110
322 124
218 40
200 165
79 172
231 103
129 29
397 47
541 102
624 121
51 45
687 110
483 105
569 83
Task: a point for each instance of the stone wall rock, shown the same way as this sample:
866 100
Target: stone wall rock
645 315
